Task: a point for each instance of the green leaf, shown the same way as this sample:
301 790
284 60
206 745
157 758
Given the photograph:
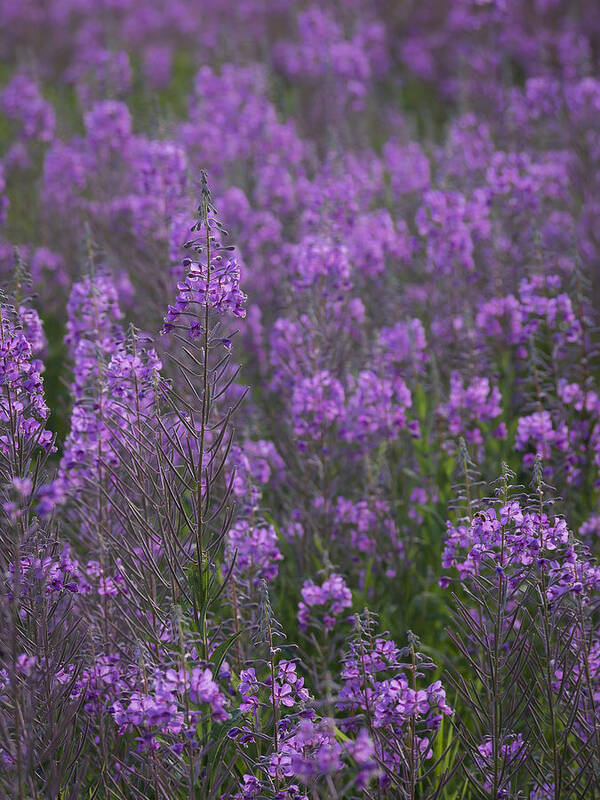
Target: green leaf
218 736
199 583
222 650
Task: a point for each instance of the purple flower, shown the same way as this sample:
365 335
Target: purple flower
321 605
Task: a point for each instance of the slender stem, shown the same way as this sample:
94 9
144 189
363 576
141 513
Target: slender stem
183 668
15 598
412 728
588 675
236 621
273 700
369 715
556 766
203 423
500 605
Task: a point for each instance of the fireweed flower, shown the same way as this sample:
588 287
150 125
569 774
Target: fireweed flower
516 558
468 219
92 327
323 265
113 387
537 429
21 100
162 710
470 405
408 167
217 288
377 688
376 409
367 528
317 402
92 335
512 751
404 345
258 464
22 404
512 536
322 605
256 550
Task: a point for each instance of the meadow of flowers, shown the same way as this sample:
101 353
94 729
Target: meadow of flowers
299 399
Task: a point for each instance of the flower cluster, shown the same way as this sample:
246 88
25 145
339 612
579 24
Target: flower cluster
322 605
377 688
21 100
254 546
217 287
164 711
512 538
471 405
23 409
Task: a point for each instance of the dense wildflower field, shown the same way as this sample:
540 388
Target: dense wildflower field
299 400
